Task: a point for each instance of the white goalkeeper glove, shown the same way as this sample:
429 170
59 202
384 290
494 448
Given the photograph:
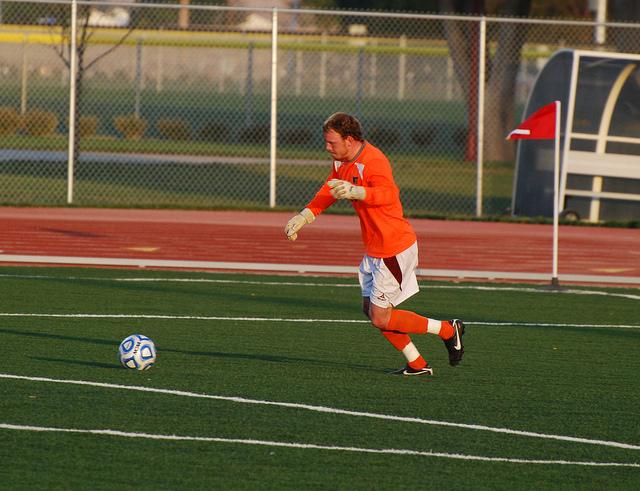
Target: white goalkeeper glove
345 190
297 222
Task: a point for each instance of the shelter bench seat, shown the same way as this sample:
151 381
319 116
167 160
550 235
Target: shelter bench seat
599 166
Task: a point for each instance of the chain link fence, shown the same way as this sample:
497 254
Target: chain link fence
174 103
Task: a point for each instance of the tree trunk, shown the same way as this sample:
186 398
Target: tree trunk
462 37
500 93
501 73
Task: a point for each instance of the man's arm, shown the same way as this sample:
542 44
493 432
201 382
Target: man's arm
345 190
297 222
379 187
381 190
320 202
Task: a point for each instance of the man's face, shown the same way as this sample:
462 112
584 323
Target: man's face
339 148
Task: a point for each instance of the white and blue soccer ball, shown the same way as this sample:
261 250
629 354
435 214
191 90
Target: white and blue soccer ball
137 352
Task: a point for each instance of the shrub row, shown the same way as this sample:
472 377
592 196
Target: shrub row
37 122
41 123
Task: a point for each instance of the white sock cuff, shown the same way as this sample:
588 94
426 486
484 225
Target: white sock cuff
410 352
434 326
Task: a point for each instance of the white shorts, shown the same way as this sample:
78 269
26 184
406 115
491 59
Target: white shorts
389 281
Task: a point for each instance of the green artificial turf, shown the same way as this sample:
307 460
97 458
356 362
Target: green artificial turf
259 361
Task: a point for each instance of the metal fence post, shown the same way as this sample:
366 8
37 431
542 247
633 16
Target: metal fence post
373 71
360 82
482 44
248 94
298 72
24 77
138 81
322 89
274 108
402 67
600 34
160 72
72 101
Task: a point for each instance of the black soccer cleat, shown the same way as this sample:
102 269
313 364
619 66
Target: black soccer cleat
454 343
427 370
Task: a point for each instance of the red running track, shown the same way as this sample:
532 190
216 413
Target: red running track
257 237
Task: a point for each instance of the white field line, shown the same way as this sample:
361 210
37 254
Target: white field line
330 410
183 317
181 280
308 268
291 320
330 285
312 446
312 284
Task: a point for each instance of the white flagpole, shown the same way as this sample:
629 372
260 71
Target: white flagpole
556 195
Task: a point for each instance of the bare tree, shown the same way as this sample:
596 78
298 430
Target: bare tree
84 33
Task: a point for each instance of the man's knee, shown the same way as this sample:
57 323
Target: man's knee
379 317
379 323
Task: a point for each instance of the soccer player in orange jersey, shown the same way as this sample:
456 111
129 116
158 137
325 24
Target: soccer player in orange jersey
362 174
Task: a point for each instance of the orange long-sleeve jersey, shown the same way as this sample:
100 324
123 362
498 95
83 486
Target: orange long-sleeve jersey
385 232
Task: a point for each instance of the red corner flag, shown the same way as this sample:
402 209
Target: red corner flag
541 125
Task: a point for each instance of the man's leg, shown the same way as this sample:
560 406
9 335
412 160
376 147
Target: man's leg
391 281
406 322
400 341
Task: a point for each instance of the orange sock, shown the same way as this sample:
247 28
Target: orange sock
397 339
446 330
410 322
402 342
418 363
407 322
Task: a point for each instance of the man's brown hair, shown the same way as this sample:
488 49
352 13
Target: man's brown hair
345 125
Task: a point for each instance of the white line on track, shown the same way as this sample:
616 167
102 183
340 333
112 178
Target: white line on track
325 285
325 409
291 320
309 268
311 446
